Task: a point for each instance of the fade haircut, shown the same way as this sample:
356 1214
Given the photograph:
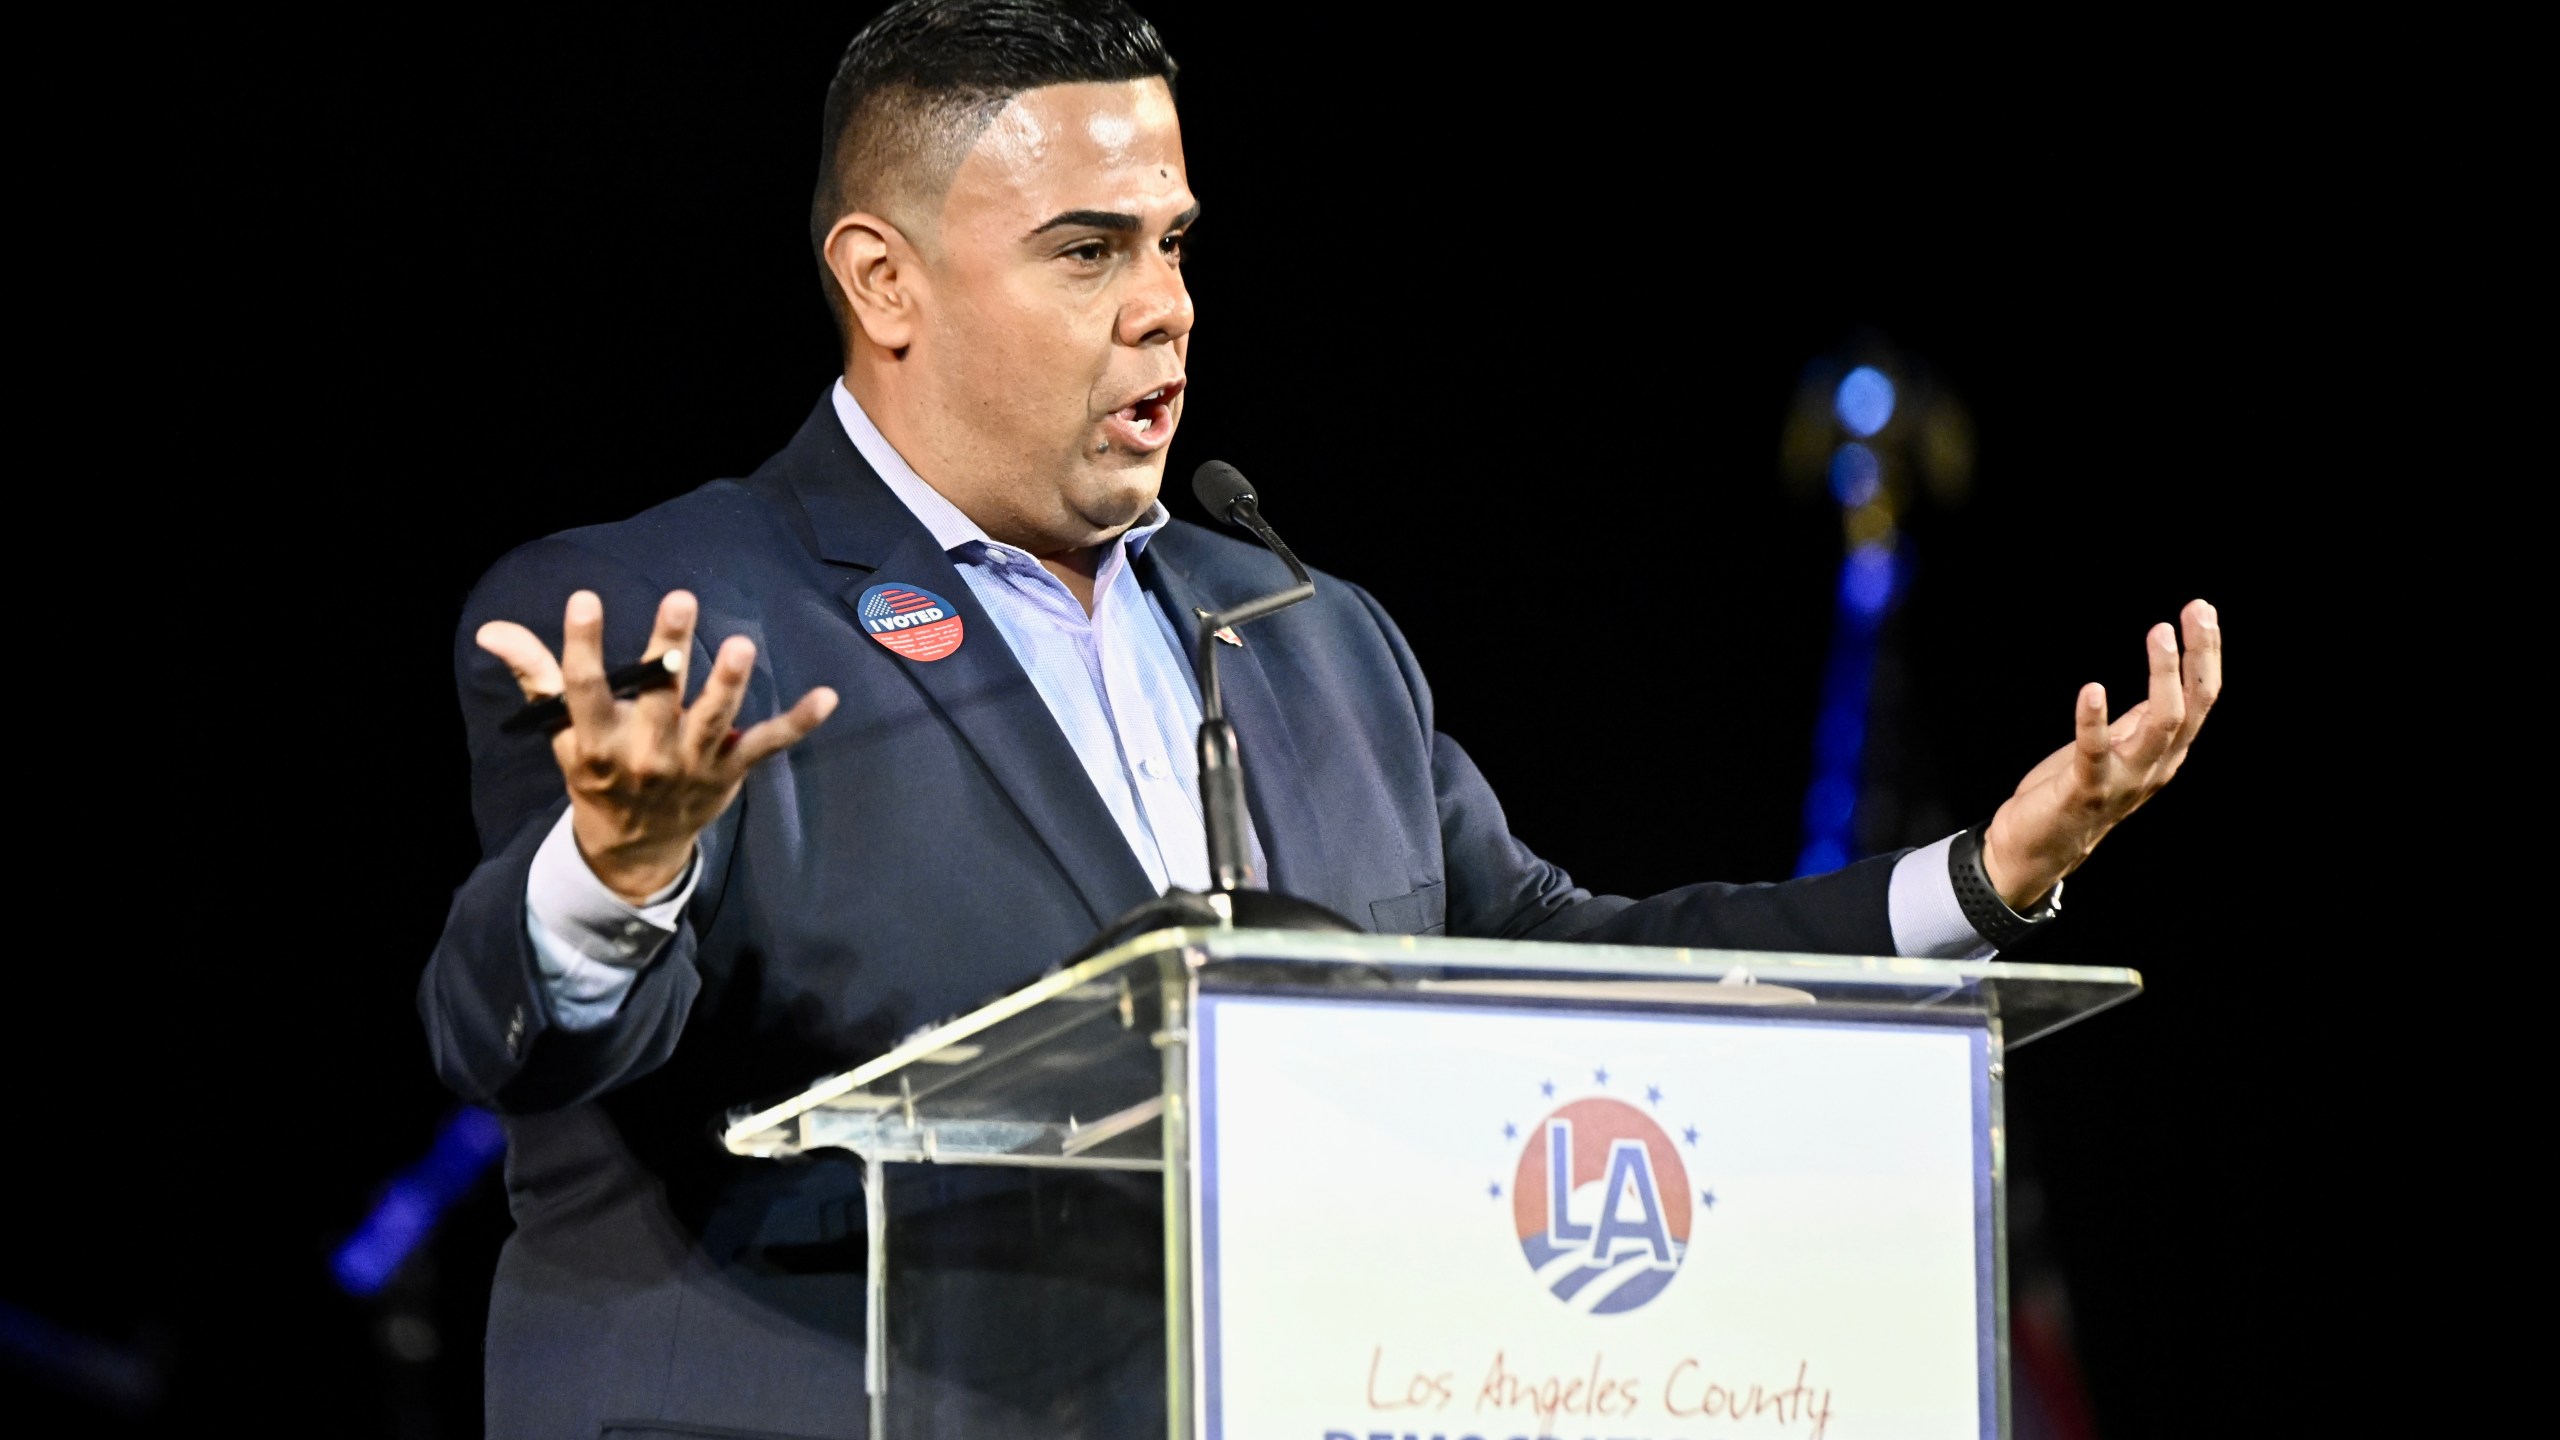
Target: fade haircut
922 81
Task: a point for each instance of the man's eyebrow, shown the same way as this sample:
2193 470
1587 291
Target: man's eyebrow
1111 220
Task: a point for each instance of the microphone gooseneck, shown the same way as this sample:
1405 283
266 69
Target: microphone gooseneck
1225 493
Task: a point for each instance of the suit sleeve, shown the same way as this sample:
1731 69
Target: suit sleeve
1499 888
483 998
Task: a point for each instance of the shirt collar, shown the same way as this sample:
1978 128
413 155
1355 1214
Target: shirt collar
953 530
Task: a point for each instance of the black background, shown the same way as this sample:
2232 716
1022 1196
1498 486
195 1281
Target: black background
1492 317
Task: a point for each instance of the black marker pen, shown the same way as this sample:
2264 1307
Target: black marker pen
550 714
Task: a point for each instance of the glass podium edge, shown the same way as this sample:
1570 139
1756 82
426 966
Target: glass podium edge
737 1134
1660 961
1207 946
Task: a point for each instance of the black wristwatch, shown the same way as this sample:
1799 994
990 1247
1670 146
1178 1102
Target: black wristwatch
1988 914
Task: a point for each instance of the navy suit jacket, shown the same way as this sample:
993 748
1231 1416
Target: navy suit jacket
934 844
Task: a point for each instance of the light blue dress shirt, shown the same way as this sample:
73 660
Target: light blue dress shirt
1120 685
1119 681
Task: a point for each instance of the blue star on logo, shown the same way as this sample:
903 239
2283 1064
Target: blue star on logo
1690 1135
1653 1094
1600 1077
1707 1198
1547 1088
1510 1131
1494 1190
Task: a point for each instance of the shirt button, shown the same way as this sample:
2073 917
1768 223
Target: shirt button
1151 768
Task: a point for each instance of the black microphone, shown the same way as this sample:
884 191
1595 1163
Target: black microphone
1226 494
1219 486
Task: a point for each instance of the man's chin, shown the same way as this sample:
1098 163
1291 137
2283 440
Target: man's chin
1120 496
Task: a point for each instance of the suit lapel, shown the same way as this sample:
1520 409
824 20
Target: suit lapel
1283 819
980 689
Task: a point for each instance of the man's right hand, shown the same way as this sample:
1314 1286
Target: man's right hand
646 775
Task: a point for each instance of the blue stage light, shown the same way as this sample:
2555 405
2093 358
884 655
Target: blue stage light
1829 804
1869 577
1866 579
1840 732
1855 474
1864 401
416 1198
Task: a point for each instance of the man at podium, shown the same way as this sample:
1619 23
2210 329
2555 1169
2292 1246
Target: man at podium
929 727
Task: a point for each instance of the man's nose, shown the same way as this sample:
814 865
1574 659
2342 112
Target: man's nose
1158 310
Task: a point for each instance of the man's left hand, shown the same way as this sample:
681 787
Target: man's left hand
2067 805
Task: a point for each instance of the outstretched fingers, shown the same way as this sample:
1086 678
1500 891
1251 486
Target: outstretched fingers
524 655
2090 747
784 730
706 725
582 676
2202 626
671 634
2165 708
2067 804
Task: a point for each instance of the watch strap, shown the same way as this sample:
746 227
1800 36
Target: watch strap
1988 914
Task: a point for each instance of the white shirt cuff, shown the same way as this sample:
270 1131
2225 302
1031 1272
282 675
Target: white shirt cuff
1928 923
590 943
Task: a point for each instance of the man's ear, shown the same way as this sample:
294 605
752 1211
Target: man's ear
878 273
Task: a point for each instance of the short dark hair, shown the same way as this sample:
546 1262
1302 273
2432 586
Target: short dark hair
921 81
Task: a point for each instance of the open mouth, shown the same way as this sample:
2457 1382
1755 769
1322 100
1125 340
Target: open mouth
1148 420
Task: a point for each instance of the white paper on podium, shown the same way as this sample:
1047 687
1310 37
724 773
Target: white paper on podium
1798 1243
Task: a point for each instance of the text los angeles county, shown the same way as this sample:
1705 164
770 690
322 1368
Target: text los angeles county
1691 1403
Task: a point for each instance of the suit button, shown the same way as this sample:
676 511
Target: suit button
515 1034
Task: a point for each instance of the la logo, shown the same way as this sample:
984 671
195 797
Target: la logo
1601 1201
1630 1182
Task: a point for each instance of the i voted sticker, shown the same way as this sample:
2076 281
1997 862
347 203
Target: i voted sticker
912 622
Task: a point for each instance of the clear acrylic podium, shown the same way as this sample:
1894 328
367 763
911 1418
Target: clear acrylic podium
1402 1156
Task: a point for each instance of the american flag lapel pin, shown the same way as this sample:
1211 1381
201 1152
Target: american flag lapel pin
1223 632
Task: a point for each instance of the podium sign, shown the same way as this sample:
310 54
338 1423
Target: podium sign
1480 1190
1493 1221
